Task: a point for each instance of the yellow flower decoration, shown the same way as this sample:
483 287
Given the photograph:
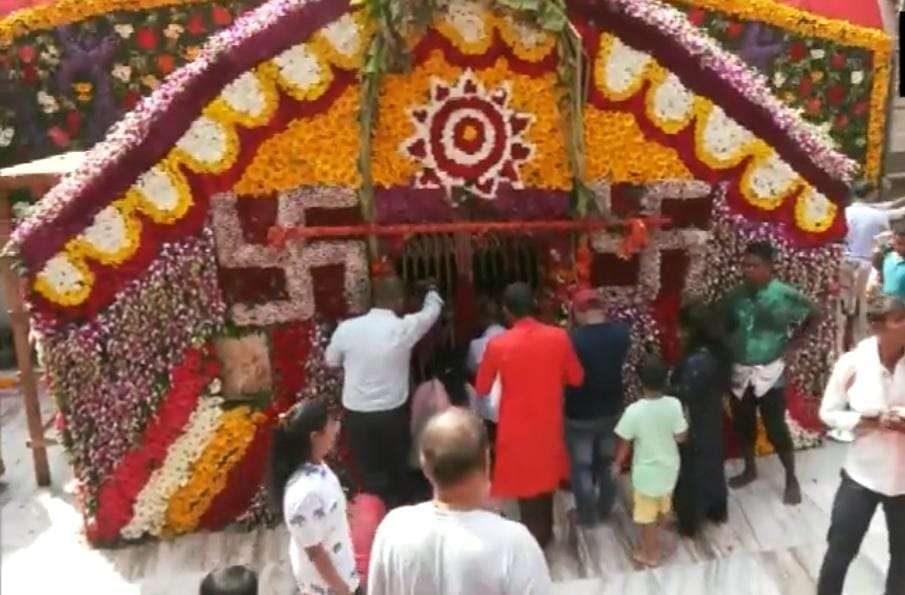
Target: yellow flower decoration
301 71
620 71
617 150
211 471
64 12
548 168
527 42
345 41
316 150
250 100
162 193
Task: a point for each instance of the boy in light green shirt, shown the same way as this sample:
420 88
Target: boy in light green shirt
652 429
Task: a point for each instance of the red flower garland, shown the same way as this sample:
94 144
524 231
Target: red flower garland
117 495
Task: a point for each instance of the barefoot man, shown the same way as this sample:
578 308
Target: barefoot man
763 312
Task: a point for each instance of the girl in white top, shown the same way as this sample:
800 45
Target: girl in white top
312 501
866 394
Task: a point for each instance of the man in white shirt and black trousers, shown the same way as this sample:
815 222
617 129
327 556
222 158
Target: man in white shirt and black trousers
375 353
866 395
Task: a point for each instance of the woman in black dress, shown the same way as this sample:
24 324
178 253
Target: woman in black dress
700 382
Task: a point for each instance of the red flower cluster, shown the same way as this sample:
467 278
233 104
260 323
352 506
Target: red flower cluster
147 38
291 345
797 51
118 493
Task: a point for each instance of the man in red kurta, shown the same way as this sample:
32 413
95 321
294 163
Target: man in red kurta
534 362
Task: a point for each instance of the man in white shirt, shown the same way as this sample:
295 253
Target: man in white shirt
865 222
451 545
375 352
866 395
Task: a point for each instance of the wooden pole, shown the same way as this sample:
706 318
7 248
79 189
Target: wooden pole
18 318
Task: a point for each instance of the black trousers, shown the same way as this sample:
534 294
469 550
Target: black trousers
537 516
379 443
853 508
772 408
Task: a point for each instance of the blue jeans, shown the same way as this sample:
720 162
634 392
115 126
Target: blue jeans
591 446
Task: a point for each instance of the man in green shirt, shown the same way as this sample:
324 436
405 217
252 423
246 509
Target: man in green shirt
768 319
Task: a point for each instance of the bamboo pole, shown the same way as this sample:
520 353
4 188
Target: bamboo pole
18 318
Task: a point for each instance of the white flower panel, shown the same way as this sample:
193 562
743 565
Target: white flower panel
815 208
671 101
246 95
771 178
62 276
623 66
157 187
205 141
108 233
723 137
300 67
467 18
343 34
528 35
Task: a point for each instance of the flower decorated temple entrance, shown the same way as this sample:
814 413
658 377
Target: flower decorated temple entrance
249 201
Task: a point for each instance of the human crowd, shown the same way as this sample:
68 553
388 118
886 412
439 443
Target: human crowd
532 407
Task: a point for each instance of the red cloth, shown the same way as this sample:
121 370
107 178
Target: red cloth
8 6
535 361
860 12
366 512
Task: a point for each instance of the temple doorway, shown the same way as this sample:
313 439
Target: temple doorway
467 268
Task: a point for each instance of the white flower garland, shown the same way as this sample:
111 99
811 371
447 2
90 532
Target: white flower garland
468 19
108 233
671 101
771 178
299 67
62 276
623 67
157 187
344 35
724 138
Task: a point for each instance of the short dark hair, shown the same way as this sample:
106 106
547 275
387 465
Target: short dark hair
387 291
235 580
519 300
881 305
763 250
453 446
654 372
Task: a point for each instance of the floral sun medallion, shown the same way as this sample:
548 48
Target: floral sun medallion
468 138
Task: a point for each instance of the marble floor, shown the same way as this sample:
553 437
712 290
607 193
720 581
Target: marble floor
766 548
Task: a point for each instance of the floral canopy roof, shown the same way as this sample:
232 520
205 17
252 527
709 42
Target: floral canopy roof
274 103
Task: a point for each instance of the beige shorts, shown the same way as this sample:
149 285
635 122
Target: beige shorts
649 508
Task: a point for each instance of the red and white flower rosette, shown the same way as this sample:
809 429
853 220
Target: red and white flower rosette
468 138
